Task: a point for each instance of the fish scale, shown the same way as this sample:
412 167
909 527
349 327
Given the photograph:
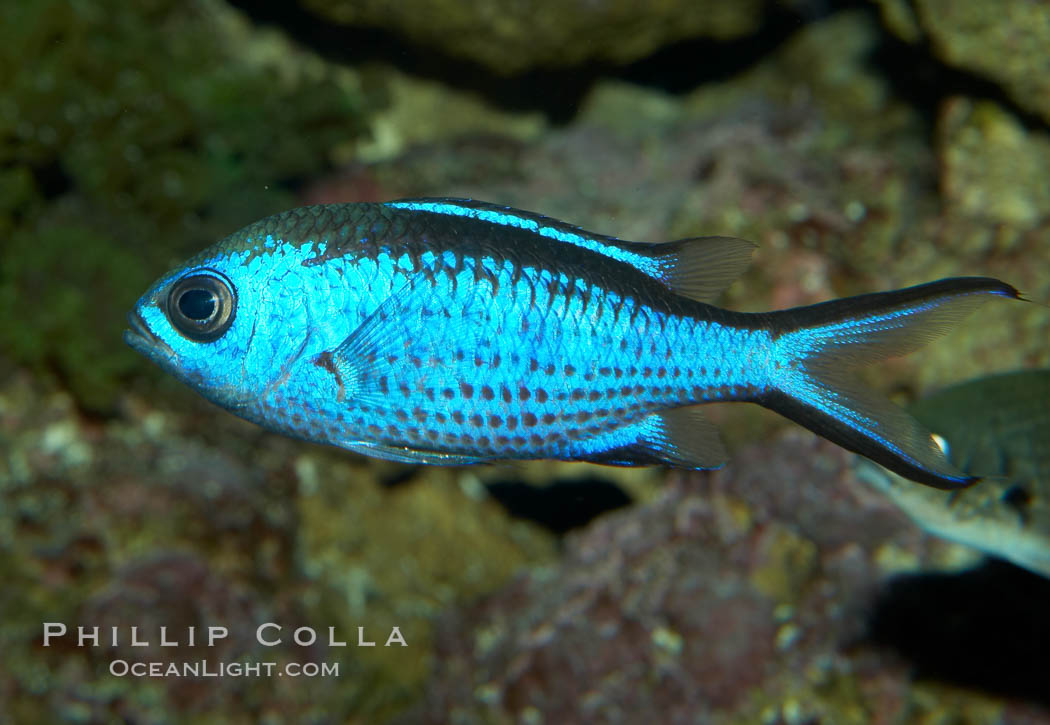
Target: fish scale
564 403
456 331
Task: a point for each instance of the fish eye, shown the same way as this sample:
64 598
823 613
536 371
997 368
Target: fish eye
202 306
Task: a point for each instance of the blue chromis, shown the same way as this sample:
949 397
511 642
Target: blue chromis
453 331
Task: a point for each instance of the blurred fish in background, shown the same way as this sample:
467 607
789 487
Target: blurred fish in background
996 427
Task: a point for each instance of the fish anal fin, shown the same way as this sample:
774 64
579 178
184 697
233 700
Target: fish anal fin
684 438
678 437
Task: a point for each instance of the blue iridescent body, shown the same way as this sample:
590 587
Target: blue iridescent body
454 331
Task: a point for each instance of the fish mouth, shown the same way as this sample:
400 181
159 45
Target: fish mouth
142 339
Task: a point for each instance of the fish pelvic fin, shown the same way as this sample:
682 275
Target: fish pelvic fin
817 347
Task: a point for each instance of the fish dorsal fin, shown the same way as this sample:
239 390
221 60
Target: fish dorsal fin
699 267
684 438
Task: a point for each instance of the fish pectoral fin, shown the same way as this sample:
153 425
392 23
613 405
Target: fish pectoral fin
403 454
679 437
700 267
405 333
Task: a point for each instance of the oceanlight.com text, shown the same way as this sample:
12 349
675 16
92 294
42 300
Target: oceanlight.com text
205 668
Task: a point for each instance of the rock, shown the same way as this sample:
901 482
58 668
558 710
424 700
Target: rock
1004 41
146 522
124 126
992 167
515 37
737 596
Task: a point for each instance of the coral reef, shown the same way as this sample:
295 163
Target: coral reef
131 135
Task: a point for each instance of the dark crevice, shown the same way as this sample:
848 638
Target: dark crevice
561 506
51 179
399 476
916 75
922 80
683 66
985 628
557 92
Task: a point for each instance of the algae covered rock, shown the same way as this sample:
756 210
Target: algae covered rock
992 167
401 555
129 134
760 593
511 37
144 522
1005 41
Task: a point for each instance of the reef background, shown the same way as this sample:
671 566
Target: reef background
864 145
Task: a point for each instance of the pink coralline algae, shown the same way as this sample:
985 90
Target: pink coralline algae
739 595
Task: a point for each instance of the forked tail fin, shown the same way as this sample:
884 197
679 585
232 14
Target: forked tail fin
817 347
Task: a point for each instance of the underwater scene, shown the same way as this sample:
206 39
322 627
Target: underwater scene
525 362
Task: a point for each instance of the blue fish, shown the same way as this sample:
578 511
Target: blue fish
452 331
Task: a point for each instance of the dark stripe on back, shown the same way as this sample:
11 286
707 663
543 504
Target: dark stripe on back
366 230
